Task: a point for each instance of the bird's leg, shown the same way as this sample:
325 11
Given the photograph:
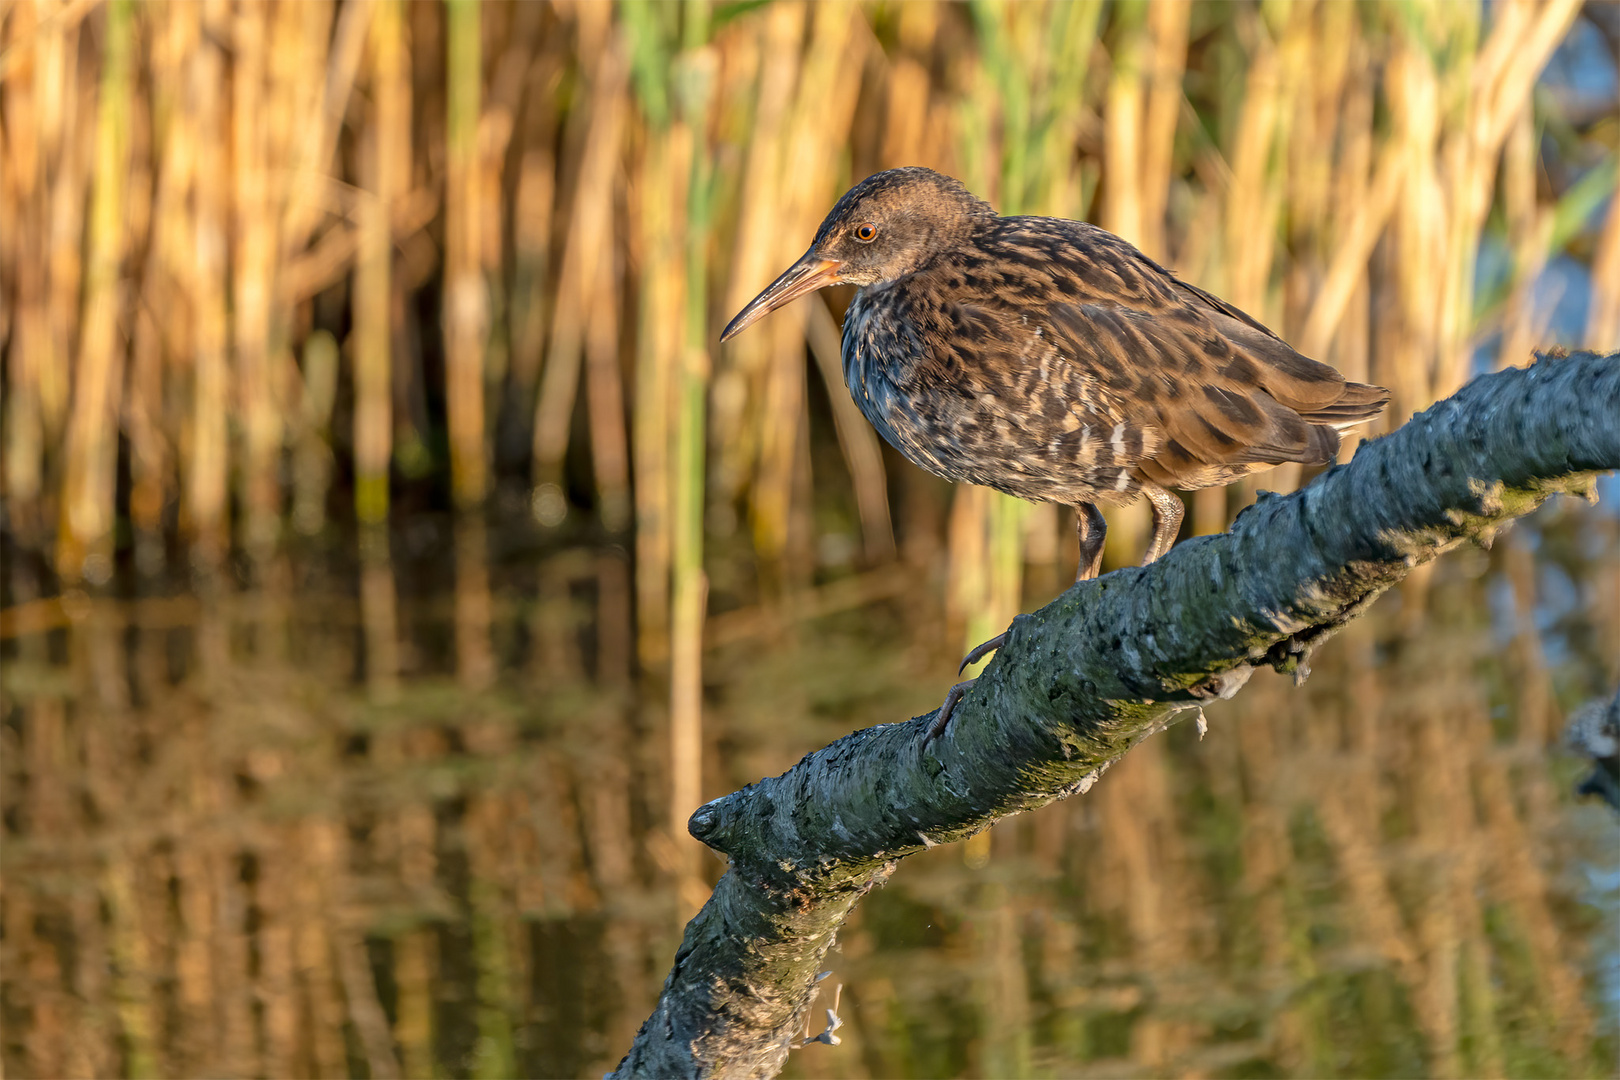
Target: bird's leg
1092 528
1167 514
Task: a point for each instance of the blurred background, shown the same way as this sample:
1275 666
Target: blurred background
393 559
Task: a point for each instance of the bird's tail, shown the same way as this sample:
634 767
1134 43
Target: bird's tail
1359 403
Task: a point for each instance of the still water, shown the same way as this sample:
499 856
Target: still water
403 813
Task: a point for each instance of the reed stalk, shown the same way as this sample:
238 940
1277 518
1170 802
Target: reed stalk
62 100
21 170
676 361
385 152
1603 321
860 445
760 248
587 251
312 450
532 207
253 258
661 183
585 326
817 121
1166 64
205 437
605 392
689 584
84 538
466 305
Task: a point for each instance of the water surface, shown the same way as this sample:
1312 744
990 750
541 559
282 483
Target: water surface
404 813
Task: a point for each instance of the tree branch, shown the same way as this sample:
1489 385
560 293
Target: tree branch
1080 682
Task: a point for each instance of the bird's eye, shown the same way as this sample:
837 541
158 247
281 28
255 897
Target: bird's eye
866 232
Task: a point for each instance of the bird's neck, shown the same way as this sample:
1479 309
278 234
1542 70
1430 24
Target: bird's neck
943 245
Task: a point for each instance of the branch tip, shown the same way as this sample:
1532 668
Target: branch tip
705 821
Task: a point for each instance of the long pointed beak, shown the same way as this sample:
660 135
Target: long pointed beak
807 275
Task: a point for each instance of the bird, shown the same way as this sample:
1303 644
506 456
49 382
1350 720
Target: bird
1054 361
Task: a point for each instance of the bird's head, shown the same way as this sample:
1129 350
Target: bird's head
883 228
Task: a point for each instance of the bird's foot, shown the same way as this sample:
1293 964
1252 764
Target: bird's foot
980 651
942 719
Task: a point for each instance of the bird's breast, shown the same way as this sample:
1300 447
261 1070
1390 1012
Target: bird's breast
1024 422
882 349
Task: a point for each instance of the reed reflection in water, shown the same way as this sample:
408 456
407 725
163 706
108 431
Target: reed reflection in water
401 815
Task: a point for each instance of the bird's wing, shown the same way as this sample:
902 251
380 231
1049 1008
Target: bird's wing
1210 400
1212 391
1194 295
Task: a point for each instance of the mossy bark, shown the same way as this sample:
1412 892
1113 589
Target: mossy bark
1081 681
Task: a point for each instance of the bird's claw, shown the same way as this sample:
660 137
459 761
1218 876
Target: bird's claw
980 651
942 719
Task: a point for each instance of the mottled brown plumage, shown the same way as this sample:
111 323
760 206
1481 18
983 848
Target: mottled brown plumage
1051 360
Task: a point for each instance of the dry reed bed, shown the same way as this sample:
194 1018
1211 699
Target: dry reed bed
253 248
